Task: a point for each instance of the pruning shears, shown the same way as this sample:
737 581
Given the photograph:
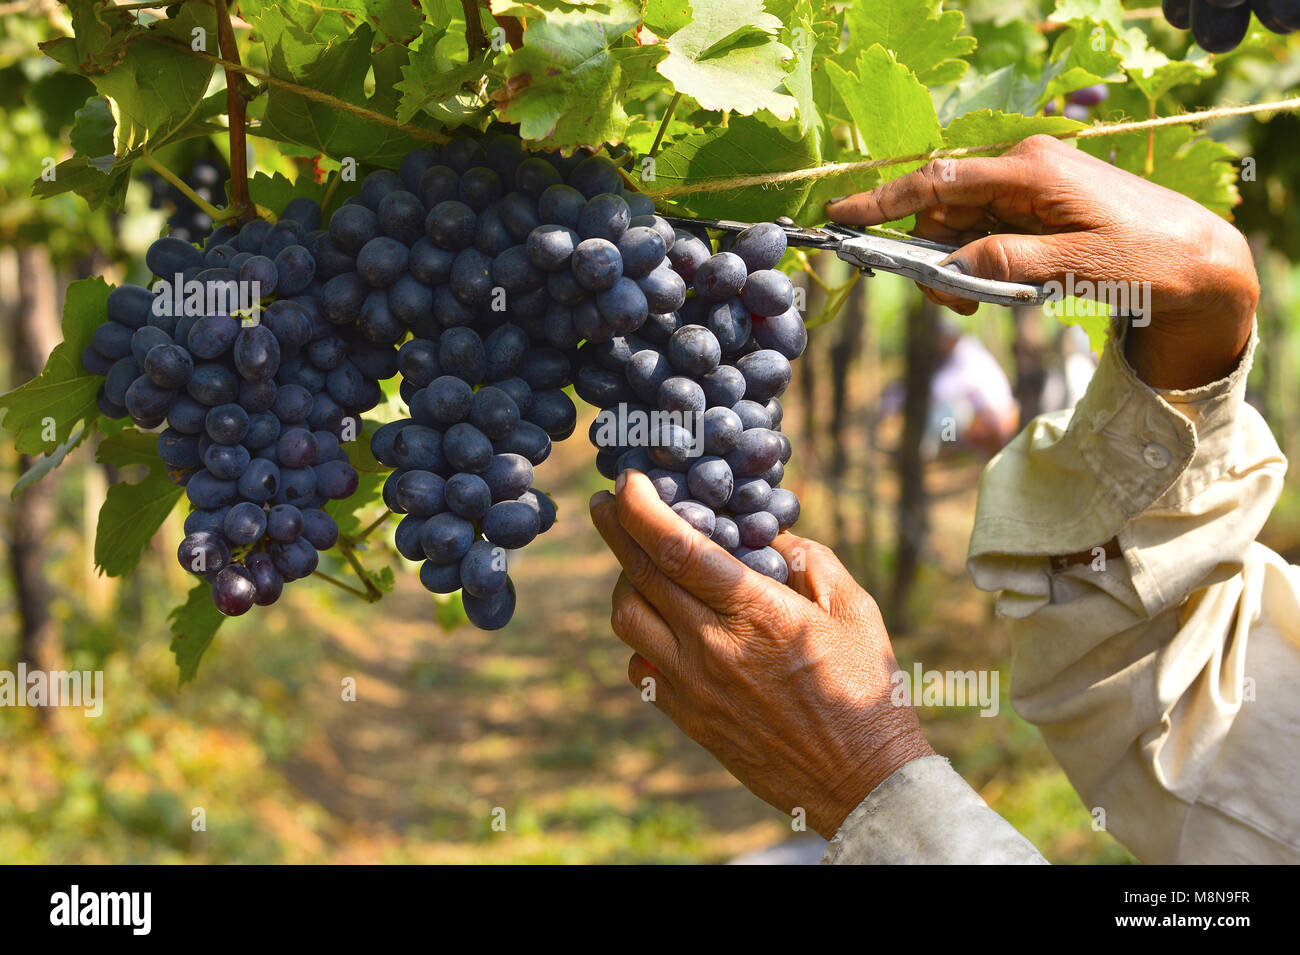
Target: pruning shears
872 249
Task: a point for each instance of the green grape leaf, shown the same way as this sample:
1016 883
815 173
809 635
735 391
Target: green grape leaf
890 107
84 177
427 81
922 37
729 59
1102 11
1154 73
193 624
745 147
48 462
100 37
45 412
566 83
383 579
811 41
92 130
988 126
665 17
340 68
131 513
157 89
1074 62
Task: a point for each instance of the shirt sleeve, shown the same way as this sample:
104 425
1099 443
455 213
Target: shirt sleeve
1139 670
926 814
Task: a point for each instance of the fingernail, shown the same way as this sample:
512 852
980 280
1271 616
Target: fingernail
831 202
620 481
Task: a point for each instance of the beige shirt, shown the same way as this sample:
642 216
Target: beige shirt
1164 681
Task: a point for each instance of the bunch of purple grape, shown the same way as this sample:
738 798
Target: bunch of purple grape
703 383
491 280
1219 26
255 390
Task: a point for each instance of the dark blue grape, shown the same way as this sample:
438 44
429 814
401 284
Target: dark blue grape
471 277
213 384
146 339
296 269
147 403
252 235
721 277
439 578
451 225
760 246
671 486
121 377
697 515
722 430
483 568
209 492
527 440
438 184
177 450
750 494
595 175
711 482
784 333
383 440
468 496
260 481
725 533
267 580
296 448
262 270
187 415
493 611
493 413
212 336
419 447
244 523
421 493
382 261
767 561
294 560
642 250
511 524
767 292
284 523
466 448
203 553
518 214
687 254
784 506
112 340
767 374
508 476
342 297
535 175
596 264
757 529
131 305
257 353
283 234
561 205
169 255
446 538
406 538
292 404
429 264
226 461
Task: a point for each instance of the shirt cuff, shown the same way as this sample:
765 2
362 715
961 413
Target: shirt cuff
1070 482
926 814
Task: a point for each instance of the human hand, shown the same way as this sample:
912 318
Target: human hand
788 686
1044 211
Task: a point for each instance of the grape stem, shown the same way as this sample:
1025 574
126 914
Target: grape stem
216 214
475 38
663 123
349 552
341 585
237 112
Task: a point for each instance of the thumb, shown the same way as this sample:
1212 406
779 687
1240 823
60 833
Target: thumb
1006 257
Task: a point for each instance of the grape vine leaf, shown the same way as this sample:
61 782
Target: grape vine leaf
341 69
890 107
92 133
745 147
131 513
566 83
810 40
1102 11
427 80
922 37
193 624
100 37
729 59
1154 73
48 462
985 127
63 395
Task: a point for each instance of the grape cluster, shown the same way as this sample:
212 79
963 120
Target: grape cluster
186 220
469 248
254 403
707 378
490 280
1220 25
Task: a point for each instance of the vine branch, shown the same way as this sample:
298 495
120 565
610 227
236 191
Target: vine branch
237 111
341 585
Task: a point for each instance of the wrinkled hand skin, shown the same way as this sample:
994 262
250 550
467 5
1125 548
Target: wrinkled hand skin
788 686
1045 209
